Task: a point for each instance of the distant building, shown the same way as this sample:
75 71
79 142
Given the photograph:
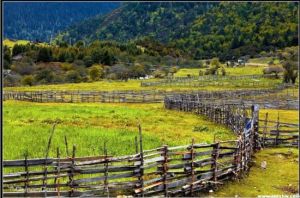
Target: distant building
6 72
17 57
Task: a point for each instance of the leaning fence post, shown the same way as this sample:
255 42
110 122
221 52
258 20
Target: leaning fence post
136 144
46 158
66 143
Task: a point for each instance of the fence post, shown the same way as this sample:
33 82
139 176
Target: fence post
67 149
165 169
265 129
27 174
277 130
106 170
215 155
71 179
140 178
192 167
58 173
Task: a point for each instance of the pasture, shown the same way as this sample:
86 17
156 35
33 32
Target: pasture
282 167
234 71
27 126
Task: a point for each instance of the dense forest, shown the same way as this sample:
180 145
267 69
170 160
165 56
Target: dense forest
202 30
43 20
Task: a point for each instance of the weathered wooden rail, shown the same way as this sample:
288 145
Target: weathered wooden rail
169 171
197 83
211 80
130 96
274 133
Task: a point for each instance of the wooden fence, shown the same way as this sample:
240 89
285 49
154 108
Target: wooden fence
129 96
168 171
211 80
274 133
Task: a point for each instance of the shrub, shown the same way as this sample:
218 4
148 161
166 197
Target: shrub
73 76
159 74
96 72
44 76
201 73
88 61
24 67
223 71
137 70
173 70
27 80
112 76
273 70
66 66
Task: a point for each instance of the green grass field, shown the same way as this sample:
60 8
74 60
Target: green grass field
281 177
28 125
107 85
233 71
11 43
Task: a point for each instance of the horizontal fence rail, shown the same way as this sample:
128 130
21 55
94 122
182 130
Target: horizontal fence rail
145 96
210 80
168 171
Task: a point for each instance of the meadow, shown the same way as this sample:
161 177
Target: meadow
134 84
233 71
28 125
11 43
281 176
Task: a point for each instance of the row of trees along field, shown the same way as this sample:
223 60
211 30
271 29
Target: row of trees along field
42 63
46 64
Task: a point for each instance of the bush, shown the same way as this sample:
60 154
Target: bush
112 76
96 72
27 80
273 70
159 74
173 70
66 66
44 54
137 70
73 76
201 73
223 71
88 61
44 76
24 67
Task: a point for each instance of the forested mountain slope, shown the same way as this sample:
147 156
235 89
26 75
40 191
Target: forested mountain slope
202 30
41 20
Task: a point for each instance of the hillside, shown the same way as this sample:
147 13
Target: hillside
163 21
203 30
41 20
